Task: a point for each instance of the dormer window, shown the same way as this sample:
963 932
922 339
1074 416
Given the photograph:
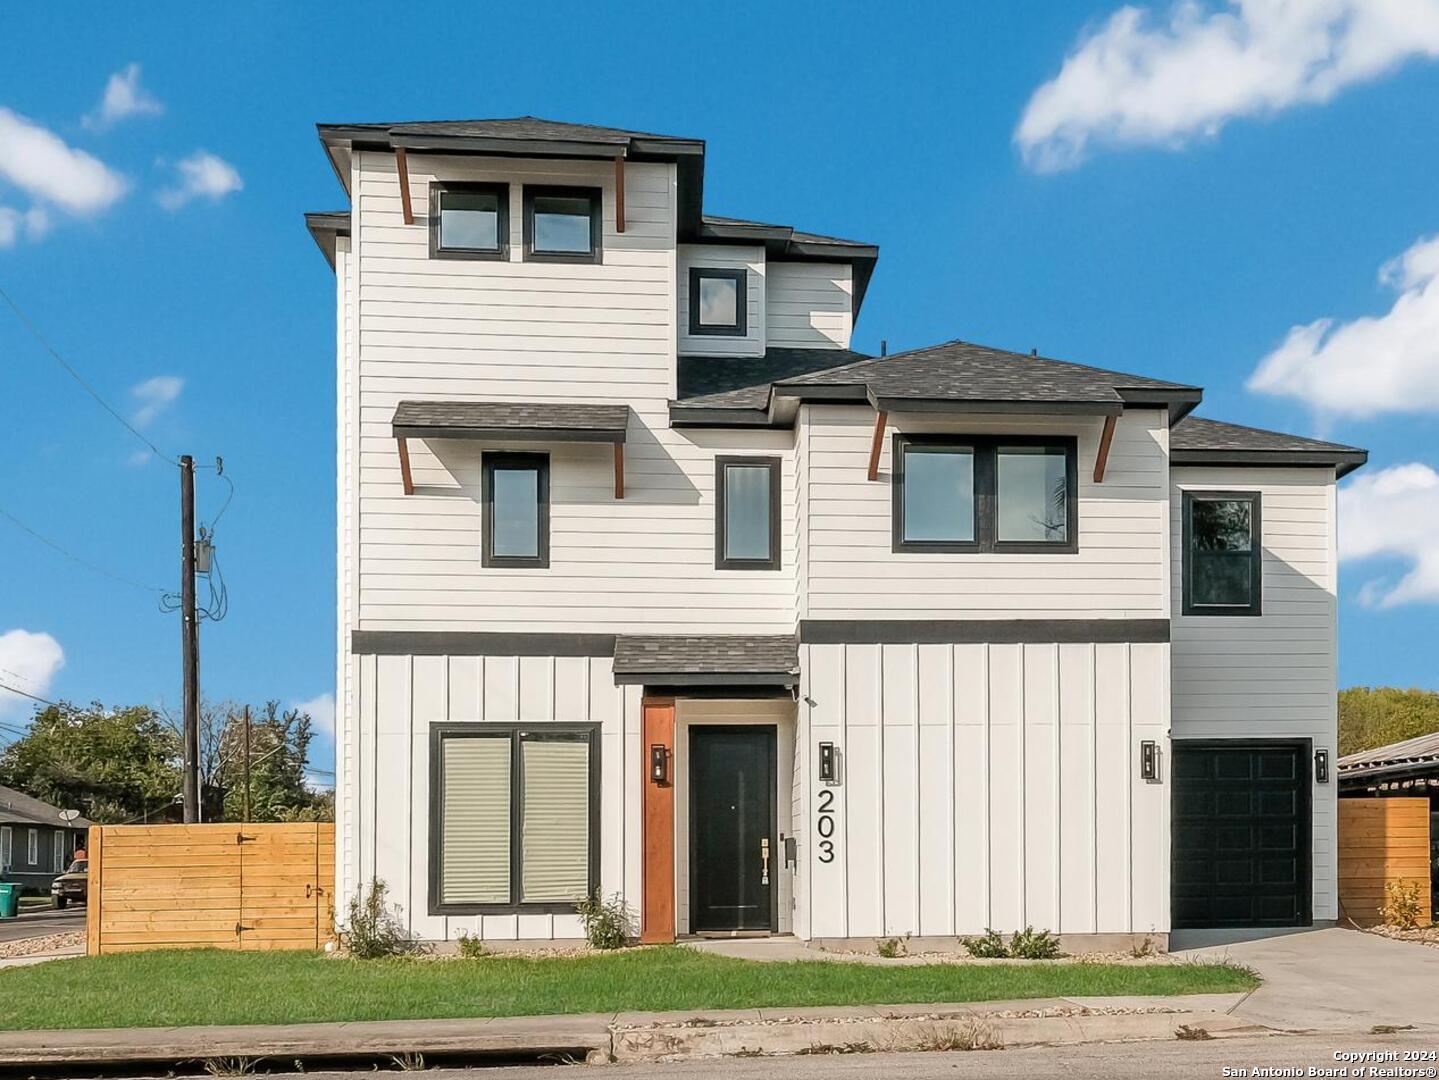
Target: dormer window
469 221
562 224
718 301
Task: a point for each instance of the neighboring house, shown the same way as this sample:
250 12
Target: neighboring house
649 584
35 842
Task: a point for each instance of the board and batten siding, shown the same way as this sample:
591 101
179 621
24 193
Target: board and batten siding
400 697
494 331
809 305
851 572
984 786
1273 675
726 257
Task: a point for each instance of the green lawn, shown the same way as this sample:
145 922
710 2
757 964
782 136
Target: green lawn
210 987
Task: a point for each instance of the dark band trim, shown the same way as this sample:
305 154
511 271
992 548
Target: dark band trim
477 643
1341 461
706 678
981 631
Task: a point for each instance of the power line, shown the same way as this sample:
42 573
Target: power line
32 697
55 355
76 558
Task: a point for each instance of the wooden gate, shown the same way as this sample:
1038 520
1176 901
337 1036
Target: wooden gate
1382 840
228 886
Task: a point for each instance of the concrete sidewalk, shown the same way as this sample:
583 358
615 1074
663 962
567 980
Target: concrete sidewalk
643 1036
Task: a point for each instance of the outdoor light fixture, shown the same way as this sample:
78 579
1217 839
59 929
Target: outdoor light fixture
828 765
659 763
1149 760
1321 766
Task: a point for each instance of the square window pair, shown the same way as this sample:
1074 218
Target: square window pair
471 221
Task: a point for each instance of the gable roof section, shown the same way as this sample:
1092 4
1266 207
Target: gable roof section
17 808
1197 440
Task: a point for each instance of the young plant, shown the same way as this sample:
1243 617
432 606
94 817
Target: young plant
1401 904
988 947
472 946
1032 944
607 922
891 948
374 929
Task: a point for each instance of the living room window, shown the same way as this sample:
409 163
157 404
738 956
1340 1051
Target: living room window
719 301
514 817
1223 555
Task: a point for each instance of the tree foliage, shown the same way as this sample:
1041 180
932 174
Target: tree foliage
1371 716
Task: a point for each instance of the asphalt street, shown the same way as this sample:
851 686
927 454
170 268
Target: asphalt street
42 922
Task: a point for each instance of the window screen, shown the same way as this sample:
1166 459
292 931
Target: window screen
475 821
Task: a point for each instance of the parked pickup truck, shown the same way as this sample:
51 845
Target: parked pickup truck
71 885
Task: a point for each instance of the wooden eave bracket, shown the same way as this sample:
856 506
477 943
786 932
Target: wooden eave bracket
1106 439
404 169
881 418
619 194
619 470
405 478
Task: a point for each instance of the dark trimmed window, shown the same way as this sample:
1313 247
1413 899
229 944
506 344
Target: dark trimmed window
469 221
1223 553
957 493
719 301
562 224
514 817
747 510
515 493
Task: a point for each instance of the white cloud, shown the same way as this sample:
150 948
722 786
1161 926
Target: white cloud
1145 80
28 661
201 175
1393 512
322 712
42 165
1374 364
124 97
155 396
32 224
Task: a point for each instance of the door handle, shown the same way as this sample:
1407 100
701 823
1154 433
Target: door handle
764 860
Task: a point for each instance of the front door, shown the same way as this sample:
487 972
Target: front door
734 856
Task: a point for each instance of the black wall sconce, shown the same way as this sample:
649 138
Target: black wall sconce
1321 766
659 763
828 764
1149 760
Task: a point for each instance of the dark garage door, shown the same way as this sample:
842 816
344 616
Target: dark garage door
1241 835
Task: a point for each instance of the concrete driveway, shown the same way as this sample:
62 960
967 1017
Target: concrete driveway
39 923
1336 980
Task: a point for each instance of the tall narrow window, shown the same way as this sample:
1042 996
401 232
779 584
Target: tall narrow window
32 847
719 301
469 221
59 852
1223 555
1033 489
515 491
562 224
7 849
747 509
514 817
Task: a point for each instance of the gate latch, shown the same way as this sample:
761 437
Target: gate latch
239 929
241 838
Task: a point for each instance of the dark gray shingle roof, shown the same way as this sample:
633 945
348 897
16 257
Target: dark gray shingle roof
701 659
745 382
1196 440
510 127
482 419
17 808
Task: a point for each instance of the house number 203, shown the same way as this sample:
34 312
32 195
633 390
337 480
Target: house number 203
824 825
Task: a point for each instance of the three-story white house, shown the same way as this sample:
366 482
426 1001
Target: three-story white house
649 584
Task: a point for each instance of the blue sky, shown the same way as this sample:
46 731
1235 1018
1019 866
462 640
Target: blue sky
1165 194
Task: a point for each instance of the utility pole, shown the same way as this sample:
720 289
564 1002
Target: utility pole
245 815
189 640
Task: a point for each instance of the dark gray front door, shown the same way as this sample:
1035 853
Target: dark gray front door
732 825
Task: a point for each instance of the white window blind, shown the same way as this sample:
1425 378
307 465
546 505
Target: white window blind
475 821
32 847
555 818
59 852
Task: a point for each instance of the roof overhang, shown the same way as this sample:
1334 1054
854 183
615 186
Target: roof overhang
697 660
326 227
781 243
510 420
1342 462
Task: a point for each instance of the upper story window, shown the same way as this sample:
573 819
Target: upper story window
1222 553
956 493
515 492
469 221
719 301
747 508
562 224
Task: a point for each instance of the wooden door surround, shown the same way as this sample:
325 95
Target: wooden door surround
657 907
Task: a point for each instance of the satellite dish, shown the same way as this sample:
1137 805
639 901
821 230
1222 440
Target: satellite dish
68 816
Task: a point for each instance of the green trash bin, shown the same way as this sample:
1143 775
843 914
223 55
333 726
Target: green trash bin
9 899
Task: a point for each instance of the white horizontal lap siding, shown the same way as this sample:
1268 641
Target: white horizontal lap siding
985 786
1274 675
347 495
400 697
809 305
853 573
737 257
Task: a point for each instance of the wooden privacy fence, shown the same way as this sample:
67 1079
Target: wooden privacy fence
227 886
1382 840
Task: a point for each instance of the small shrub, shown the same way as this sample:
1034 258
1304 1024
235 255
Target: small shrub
1191 1034
376 930
1032 944
891 948
1401 906
1143 949
472 946
966 1035
988 947
607 922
